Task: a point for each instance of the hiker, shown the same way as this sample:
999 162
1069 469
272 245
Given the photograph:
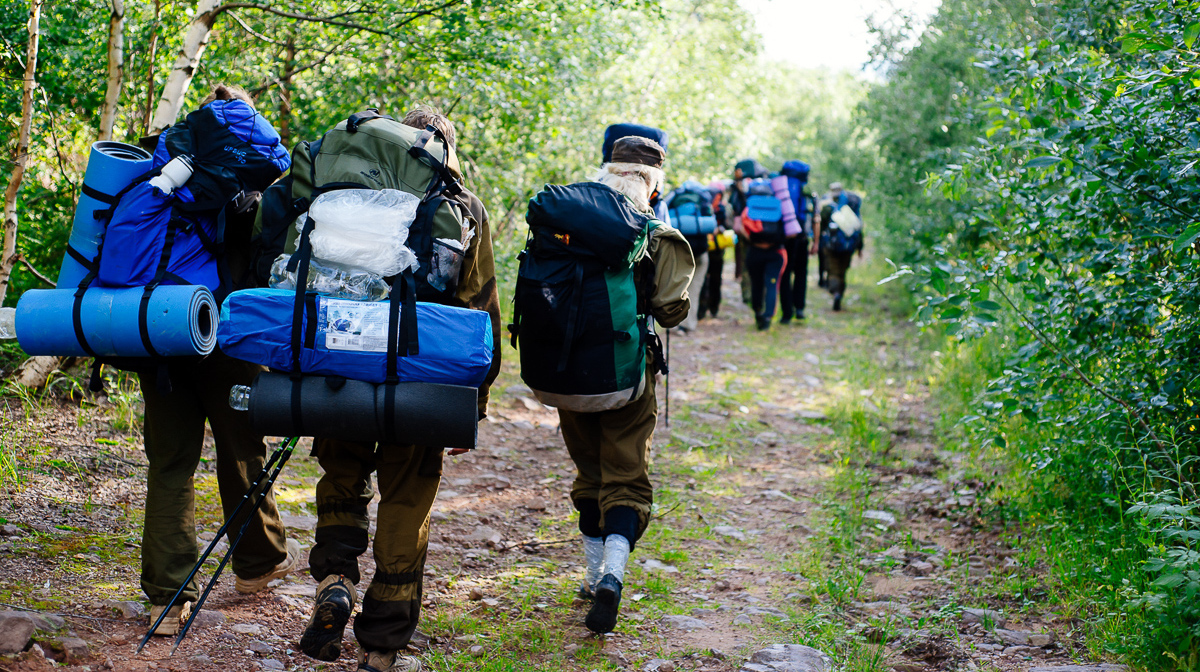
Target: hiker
691 211
763 226
617 131
174 441
408 477
710 290
840 233
594 356
793 283
743 172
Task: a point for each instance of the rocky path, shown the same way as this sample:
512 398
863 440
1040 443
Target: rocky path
809 513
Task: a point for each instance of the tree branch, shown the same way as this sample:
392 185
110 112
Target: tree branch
38 274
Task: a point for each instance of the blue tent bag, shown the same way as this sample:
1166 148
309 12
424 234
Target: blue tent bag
135 241
180 321
617 131
349 338
112 166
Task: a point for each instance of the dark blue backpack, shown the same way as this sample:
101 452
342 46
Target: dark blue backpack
837 240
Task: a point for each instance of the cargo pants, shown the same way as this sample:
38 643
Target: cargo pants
838 265
174 438
408 479
611 451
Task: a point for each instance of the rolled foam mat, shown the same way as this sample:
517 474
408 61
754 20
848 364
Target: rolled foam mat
424 414
181 320
111 167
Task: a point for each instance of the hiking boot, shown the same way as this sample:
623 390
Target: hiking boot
837 302
387 661
602 617
322 638
800 316
763 323
174 621
786 319
247 586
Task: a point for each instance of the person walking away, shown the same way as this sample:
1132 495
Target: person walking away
761 225
173 438
710 290
691 212
743 172
408 477
793 283
599 241
840 232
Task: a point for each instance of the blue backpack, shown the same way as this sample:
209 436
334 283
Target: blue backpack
153 238
797 174
763 217
838 241
690 207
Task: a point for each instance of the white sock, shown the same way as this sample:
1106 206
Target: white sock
593 552
616 555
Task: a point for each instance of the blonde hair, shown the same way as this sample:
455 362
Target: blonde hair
634 180
228 92
425 115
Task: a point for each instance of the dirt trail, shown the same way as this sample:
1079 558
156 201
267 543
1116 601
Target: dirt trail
802 498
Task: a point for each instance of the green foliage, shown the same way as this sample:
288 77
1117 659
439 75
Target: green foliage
1060 204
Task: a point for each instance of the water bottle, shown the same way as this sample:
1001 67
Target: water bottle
8 323
239 397
175 174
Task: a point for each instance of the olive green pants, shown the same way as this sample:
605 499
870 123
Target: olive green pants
174 438
408 478
611 451
838 265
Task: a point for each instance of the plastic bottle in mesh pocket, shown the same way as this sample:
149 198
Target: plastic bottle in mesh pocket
328 280
445 264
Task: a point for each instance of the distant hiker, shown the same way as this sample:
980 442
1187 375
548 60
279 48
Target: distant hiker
598 266
175 415
691 210
710 290
793 284
743 172
766 230
841 235
408 476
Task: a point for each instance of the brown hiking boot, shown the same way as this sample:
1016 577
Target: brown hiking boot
322 638
388 661
175 619
247 586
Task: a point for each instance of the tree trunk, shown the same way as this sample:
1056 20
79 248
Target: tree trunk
8 253
285 91
116 69
35 371
185 65
150 68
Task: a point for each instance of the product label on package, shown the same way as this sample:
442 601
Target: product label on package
360 326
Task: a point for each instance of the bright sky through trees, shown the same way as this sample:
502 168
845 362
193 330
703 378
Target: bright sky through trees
820 33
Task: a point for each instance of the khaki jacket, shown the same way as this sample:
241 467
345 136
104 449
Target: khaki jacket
477 285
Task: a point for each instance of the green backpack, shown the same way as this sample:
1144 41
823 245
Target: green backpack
579 310
372 151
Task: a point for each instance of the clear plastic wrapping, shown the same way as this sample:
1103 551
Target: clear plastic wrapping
364 229
329 280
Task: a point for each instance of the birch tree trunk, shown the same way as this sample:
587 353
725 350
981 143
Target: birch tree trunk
185 65
150 68
116 69
8 251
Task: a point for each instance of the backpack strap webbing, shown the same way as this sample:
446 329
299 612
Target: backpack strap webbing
300 264
419 151
358 118
572 319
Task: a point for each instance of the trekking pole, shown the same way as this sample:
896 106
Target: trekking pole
667 378
266 470
288 447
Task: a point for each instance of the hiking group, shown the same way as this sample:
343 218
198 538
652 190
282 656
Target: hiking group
358 305
778 223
